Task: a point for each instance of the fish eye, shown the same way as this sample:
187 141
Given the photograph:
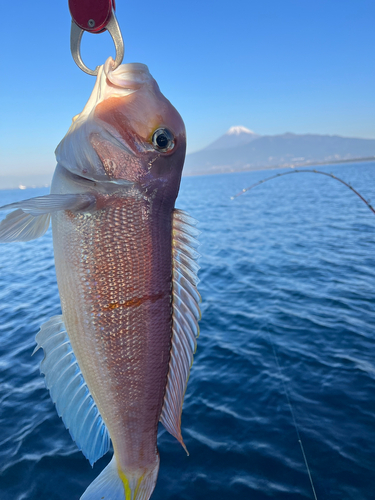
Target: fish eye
162 140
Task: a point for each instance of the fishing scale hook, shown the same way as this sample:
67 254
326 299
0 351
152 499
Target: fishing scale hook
94 16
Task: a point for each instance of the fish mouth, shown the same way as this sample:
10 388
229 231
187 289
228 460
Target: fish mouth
117 87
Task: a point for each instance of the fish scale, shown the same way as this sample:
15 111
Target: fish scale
131 341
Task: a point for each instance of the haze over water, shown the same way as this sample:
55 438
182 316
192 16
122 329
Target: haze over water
288 268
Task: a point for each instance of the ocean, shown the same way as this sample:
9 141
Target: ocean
283 383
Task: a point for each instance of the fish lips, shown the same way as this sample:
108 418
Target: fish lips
111 140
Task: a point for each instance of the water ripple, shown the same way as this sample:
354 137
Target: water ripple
287 282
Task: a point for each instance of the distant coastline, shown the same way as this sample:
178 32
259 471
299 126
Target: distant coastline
240 150
277 167
223 171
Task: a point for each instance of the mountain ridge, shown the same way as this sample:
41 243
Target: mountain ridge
271 151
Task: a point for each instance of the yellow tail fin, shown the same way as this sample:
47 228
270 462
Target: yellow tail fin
114 484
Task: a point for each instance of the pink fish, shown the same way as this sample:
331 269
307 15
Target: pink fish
118 359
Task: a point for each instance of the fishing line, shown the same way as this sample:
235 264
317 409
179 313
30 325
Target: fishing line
285 389
286 392
307 171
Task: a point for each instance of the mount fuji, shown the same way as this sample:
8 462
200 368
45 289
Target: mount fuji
234 137
241 149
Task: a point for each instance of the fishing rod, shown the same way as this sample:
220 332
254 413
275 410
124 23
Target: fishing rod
285 388
306 171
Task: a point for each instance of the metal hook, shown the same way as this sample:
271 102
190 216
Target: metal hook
75 44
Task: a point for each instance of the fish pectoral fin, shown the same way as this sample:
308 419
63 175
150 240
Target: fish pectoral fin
49 203
31 218
18 226
186 314
69 391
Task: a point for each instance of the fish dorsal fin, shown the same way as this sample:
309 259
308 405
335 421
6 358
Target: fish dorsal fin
69 391
186 314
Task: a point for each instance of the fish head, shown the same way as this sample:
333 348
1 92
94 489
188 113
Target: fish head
128 133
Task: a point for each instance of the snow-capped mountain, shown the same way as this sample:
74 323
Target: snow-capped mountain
234 137
241 149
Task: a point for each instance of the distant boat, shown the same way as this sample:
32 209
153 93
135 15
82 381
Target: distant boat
21 187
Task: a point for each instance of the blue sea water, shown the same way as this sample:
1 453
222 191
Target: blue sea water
287 282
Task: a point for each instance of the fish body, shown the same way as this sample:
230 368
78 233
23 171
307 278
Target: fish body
118 359
114 271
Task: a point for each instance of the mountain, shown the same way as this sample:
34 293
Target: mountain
236 136
255 152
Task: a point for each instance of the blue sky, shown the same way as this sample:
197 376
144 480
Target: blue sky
303 66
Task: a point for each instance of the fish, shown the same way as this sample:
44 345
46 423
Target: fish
117 360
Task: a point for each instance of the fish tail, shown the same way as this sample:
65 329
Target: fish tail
140 484
114 484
